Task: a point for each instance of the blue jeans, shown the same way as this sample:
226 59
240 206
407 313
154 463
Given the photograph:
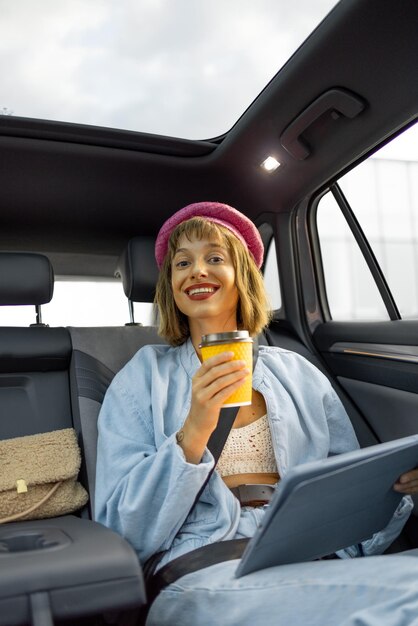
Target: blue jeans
369 591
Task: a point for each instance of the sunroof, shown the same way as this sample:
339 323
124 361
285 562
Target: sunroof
183 68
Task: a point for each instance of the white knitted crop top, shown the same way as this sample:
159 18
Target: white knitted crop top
248 450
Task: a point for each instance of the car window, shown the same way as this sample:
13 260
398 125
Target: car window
271 277
124 65
81 303
350 289
383 194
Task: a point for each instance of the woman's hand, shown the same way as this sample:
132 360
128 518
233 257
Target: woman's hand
408 483
213 383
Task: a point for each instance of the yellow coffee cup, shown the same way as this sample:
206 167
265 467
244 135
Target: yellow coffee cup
240 343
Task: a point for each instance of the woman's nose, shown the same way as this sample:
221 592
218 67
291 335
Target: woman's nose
199 268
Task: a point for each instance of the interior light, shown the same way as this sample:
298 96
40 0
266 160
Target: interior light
270 164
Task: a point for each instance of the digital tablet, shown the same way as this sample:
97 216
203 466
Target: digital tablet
327 505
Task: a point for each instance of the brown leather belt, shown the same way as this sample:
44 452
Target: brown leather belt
253 495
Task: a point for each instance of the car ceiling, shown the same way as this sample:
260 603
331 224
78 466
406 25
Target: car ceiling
78 193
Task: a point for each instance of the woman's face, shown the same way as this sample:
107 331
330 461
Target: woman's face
203 283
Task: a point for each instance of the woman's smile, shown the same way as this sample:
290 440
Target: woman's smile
201 291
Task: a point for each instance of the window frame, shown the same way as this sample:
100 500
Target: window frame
364 247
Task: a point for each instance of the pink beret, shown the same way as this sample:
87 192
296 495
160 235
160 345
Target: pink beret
233 220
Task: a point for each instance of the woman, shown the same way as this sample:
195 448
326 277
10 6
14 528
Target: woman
161 409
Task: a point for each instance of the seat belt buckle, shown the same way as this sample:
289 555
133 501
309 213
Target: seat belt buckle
253 495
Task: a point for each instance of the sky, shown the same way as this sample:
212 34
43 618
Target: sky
182 68
185 68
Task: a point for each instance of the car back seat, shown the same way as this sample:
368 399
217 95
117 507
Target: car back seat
65 567
100 352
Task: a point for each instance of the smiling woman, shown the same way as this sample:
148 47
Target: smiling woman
158 418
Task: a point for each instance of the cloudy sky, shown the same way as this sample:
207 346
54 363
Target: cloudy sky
185 68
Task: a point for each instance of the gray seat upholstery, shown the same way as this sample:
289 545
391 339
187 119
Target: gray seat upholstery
100 352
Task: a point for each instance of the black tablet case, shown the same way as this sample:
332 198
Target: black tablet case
327 505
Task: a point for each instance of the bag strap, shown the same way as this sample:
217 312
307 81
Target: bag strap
34 507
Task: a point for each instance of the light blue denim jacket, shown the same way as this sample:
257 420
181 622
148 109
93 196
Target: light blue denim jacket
145 487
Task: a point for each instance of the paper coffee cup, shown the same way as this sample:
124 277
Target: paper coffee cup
240 343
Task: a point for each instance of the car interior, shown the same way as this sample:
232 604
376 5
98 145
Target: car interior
87 202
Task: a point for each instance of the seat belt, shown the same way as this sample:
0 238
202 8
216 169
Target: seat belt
212 553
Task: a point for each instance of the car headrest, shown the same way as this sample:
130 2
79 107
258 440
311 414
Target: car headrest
138 269
25 278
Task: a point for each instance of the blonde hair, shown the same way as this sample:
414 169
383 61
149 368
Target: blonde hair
253 312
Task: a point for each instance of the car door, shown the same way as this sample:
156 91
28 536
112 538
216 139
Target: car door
363 238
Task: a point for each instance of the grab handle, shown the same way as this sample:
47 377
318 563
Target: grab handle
338 101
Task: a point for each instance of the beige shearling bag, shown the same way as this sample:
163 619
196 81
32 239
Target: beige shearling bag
38 476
